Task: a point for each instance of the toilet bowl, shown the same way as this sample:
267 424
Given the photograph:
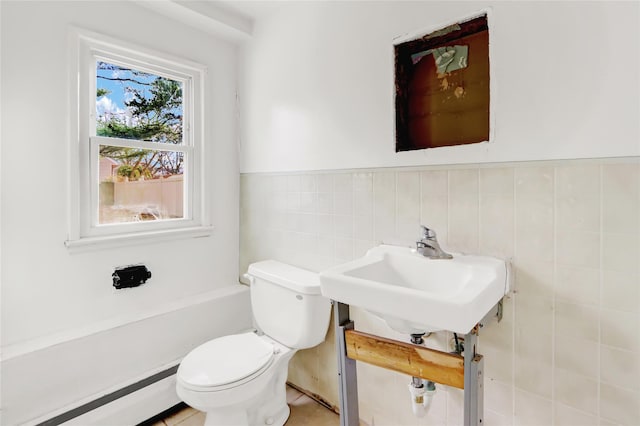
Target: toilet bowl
240 379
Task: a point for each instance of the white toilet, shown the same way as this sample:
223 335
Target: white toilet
241 379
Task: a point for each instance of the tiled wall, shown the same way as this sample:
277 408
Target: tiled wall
568 349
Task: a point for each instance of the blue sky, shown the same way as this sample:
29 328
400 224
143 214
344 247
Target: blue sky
115 100
121 85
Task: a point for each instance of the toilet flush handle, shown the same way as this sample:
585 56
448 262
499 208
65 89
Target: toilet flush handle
246 279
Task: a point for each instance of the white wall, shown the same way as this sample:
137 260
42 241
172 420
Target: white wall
48 294
317 83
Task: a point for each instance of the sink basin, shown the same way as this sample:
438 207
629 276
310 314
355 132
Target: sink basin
415 294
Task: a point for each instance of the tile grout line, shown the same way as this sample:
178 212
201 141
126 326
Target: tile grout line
601 289
553 295
514 311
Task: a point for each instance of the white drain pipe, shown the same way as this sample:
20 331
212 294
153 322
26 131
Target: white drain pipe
421 396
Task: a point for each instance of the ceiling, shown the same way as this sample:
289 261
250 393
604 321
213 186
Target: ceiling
252 9
231 19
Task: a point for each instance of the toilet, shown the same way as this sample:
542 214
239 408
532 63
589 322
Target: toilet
241 379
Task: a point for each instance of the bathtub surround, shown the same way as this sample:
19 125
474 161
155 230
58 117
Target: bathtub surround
567 350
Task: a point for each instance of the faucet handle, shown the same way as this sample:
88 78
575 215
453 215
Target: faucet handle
426 232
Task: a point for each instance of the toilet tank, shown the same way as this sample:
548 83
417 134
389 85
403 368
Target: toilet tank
287 304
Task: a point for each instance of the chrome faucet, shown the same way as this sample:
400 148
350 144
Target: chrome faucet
428 245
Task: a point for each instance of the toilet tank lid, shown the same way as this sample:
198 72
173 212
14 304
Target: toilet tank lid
291 277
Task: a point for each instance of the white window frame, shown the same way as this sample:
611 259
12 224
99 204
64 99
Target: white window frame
86 48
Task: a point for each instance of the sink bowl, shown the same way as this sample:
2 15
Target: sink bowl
415 294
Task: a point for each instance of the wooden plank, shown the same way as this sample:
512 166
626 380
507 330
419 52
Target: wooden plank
414 360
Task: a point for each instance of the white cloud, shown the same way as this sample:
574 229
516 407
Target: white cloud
106 109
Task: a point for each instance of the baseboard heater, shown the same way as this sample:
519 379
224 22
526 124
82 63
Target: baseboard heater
110 397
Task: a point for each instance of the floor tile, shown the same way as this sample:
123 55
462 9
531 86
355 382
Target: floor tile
293 394
304 412
195 420
180 416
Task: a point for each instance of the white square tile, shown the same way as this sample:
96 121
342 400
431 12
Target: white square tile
343 226
308 202
463 181
363 227
325 225
498 397
384 204
620 291
363 203
293 183
532 410
384 229
533 376
620 252
568 416
619 405
620 213
363 181
279 183
343 203
534 244
497 225
620 329
578 213
498 364
344 249
384 182
464 222
534 180
326 246
293 201
455 407
578 179
620 368
621 178
491 418
498 180
325 202
308 183
533 312
577 356
578 248
533 340
576 391
577 284
534 211
578 321
343 182
434 183
533 280
325 182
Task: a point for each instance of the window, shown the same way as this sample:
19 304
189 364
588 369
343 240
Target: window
136 143
443 87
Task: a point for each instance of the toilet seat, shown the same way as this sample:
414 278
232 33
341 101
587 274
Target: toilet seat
225 362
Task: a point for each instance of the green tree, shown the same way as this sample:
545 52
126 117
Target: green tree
154 114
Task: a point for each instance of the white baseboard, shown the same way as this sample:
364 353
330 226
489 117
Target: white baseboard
133 408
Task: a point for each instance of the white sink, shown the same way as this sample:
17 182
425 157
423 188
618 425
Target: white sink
415 294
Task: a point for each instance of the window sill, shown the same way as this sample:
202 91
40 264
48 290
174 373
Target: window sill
139 238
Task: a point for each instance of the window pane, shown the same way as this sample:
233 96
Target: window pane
132 104
139 185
